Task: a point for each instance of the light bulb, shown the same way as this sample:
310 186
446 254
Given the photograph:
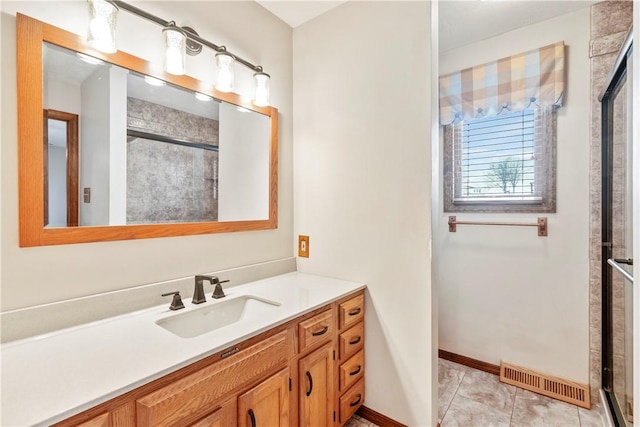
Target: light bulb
203 97
102 26
262 89
89 59
153 81
174 50
225 63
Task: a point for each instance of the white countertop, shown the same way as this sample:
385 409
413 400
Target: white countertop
51 377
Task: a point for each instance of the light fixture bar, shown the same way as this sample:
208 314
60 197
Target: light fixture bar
196 38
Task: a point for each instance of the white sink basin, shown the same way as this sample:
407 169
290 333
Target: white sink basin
216 315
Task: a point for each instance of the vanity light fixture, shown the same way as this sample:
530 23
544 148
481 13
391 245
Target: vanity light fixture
203 97
177 40
225 62
153 81
102 25
175 49
261 98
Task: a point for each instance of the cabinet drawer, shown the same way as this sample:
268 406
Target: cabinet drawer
352 370
351 311
223 416
101 420
316 329
351 340
194 395
351 401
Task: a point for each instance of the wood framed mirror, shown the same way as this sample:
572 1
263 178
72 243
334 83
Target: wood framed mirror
33 39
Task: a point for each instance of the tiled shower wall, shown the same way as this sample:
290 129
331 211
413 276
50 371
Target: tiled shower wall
610 21
168 182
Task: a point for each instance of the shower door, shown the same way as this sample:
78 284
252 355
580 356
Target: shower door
617 241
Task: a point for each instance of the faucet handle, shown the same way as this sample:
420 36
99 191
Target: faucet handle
218 292
176 303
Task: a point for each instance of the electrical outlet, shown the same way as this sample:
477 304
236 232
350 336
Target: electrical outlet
303 246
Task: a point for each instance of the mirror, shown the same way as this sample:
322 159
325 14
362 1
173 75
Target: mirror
126 151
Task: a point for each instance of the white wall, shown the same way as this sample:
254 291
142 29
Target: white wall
505 293
38 275
362 99
243 174
95 142
117 146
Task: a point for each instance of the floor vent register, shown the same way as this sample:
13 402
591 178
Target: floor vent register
556 388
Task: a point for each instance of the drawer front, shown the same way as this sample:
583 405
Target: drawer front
352 370
351 340
316 329
223 416
194 395
351 401
99 421
351 312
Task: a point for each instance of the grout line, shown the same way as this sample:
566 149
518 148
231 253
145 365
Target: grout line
464 373
513 408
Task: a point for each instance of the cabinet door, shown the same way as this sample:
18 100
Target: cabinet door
317 388
267 404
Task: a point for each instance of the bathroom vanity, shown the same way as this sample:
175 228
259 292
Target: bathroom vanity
294 355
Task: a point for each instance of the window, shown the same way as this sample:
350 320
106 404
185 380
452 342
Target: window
502 163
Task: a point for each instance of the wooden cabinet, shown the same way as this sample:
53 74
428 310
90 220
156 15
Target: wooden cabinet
267 404
316 387
308 372
351 359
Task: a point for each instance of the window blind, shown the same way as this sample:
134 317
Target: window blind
498 158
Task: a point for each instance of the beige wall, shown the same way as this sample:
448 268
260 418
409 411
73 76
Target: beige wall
362 164
39 275
506 294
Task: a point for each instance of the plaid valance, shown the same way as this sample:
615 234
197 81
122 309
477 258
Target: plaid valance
531 79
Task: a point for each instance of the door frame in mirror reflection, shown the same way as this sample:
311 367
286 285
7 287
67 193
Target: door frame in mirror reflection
31 34
71 166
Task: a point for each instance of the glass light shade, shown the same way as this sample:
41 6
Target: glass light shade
225 62
262 89
175 53
102 26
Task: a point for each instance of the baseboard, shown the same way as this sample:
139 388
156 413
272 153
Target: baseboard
467 361
377 418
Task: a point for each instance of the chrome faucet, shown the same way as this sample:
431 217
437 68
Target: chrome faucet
198 292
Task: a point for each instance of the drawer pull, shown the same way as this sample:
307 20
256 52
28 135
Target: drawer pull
320 332
310 384
252 417
354 403
355 341
355 312
356 371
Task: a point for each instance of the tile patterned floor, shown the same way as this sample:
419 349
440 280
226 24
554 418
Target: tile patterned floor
471 398
357 421
468 398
